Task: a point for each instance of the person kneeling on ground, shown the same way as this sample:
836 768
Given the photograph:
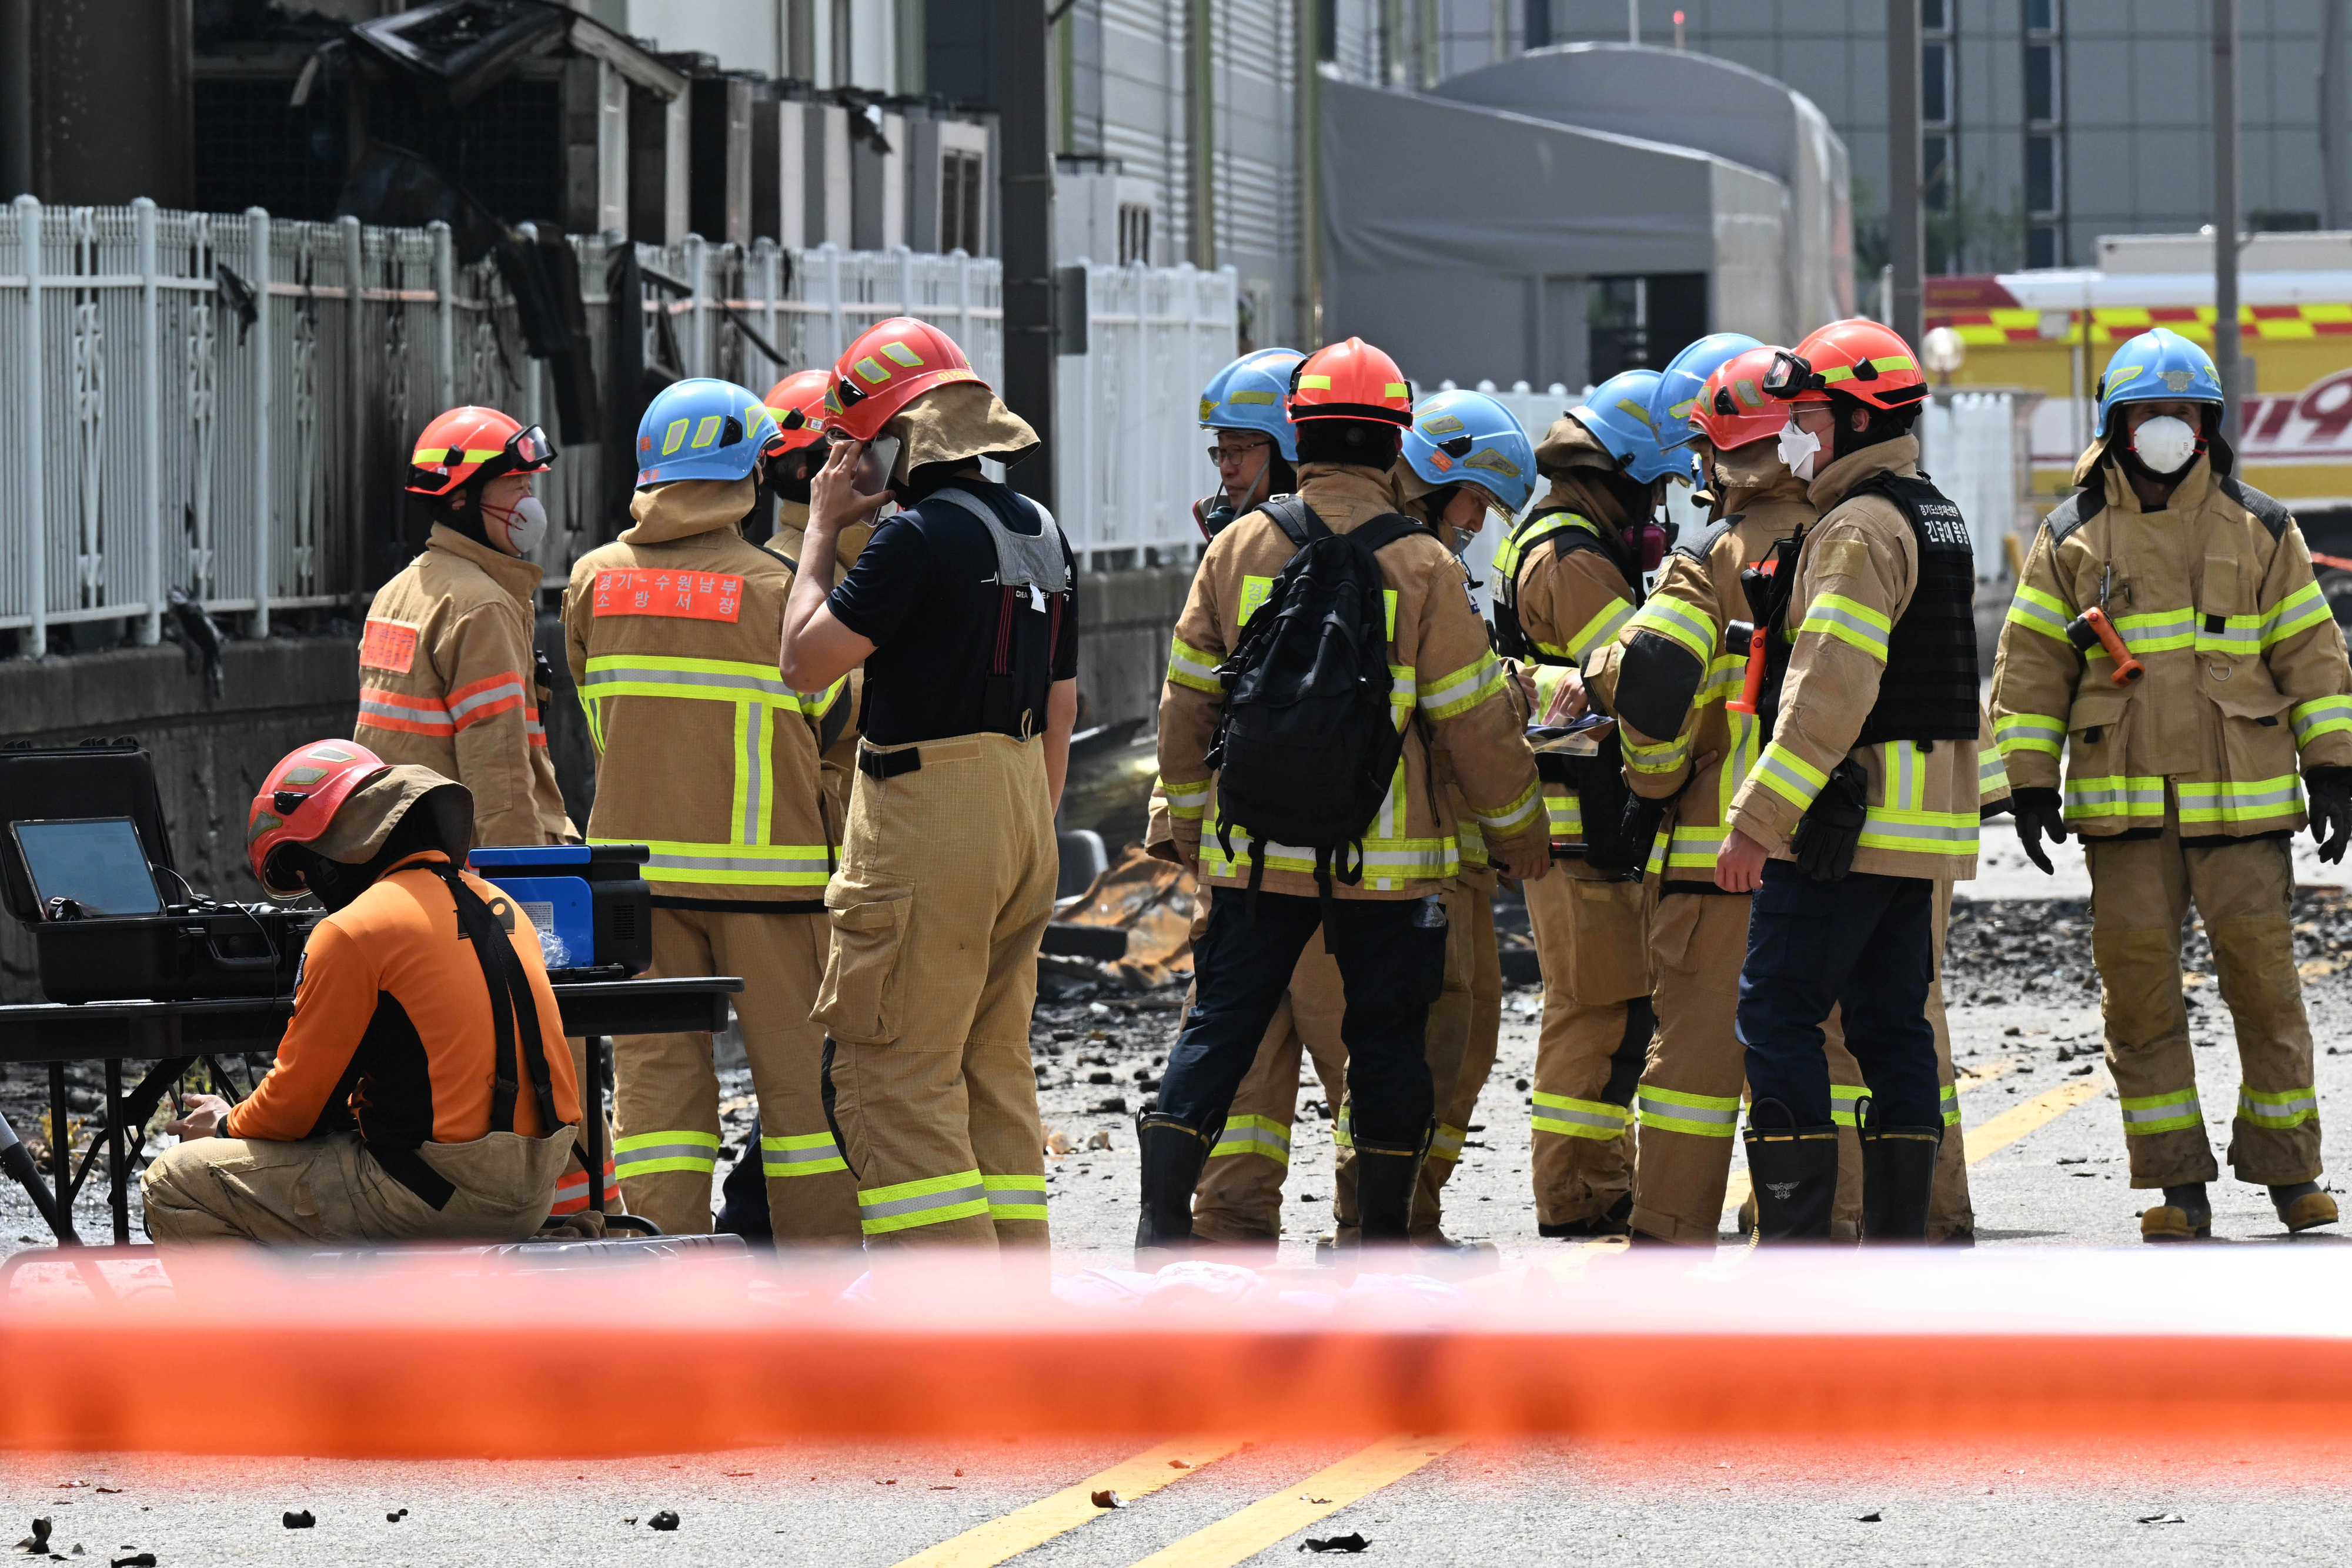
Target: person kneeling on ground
421 1088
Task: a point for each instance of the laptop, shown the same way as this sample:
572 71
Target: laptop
98 862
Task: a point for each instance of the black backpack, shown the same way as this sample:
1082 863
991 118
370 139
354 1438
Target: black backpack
1307 746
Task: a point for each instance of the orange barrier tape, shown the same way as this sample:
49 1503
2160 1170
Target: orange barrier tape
430 1359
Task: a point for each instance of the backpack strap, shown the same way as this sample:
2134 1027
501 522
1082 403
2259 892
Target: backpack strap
1296 520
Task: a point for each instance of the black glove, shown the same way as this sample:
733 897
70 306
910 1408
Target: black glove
1831 828
2331 810
2039 816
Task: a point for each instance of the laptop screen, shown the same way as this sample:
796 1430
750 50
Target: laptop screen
96 862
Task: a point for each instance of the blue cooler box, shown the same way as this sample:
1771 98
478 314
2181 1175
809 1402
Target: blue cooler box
592 908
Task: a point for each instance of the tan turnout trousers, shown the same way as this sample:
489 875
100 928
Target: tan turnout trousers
1464 1028
1689 1099
332 1189
2141 891
945 887
1593 942
667 1094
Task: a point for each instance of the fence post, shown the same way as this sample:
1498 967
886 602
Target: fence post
696 252
765 251
355 381
831 254
151 432
29 438
445 317
256 236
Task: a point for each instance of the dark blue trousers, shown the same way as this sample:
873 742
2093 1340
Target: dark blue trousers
1391 968
1865 946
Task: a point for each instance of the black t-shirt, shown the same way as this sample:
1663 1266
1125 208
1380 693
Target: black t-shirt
924 593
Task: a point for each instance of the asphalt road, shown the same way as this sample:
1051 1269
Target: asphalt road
2049 1171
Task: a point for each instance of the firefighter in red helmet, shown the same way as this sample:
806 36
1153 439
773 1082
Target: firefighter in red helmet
421 1088
963 610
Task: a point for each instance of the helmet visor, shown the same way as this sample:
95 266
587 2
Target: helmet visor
528 449
1791 377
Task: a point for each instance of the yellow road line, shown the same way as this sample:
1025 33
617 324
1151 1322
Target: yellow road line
1240 1536
1008 1536
1736 1190
2019 1120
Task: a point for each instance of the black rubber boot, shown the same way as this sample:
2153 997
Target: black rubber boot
1898 1172
1386 1178
1795 1172
1171 1154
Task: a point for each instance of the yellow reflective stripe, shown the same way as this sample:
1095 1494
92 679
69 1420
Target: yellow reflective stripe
2278 1109
2115 795
1261 1135
1920 833
1672 617
2040 612
933 1200
2249 801
1514 546
1565 810
735 865
1189 666
1602 628
1992 773
1504 819
1460 692
1389 863
2236 637
703 680
1185 802
1789 776
800 1154
2304 608
1695 847
2320 716
1666 756
1015 1197
2029 732
1699 1116
2174 1110
1849 621
1845 1103
2156 631
650 1154
1569 1118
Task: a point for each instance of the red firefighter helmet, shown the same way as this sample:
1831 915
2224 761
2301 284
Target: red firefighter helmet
298 800
798 404
1732 408
1866 359
471 443
891 365
1349 381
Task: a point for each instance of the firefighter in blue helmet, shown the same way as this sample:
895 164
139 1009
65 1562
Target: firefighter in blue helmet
1256 447
2188 760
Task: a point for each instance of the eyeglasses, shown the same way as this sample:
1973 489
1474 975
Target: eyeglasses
1221 455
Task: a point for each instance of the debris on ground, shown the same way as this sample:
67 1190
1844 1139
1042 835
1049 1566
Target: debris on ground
136 1560
1108 1500
2161 1519
297 1521
39 1540
666 1520
1150 900
1350 1543
395 1517
1874 1516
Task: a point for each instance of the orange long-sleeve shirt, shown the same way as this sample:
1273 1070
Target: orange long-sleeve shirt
391 1028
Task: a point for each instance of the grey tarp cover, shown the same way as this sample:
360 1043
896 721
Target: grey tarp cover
1458 238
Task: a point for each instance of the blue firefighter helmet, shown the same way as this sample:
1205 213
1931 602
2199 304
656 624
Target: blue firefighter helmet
1466 436
2157 366
1248 395
704 429
1679 384
1617 413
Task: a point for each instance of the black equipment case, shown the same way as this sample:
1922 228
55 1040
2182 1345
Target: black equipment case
197 948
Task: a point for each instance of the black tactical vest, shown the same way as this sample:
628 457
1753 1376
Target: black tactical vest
1928 688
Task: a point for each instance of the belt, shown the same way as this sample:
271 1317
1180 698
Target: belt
888 764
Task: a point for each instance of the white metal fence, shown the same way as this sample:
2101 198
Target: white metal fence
224 403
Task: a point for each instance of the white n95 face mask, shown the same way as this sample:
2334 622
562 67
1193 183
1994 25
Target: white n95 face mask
525 526
1799 447
2165 443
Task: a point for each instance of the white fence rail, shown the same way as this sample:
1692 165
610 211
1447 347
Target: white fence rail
224 403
